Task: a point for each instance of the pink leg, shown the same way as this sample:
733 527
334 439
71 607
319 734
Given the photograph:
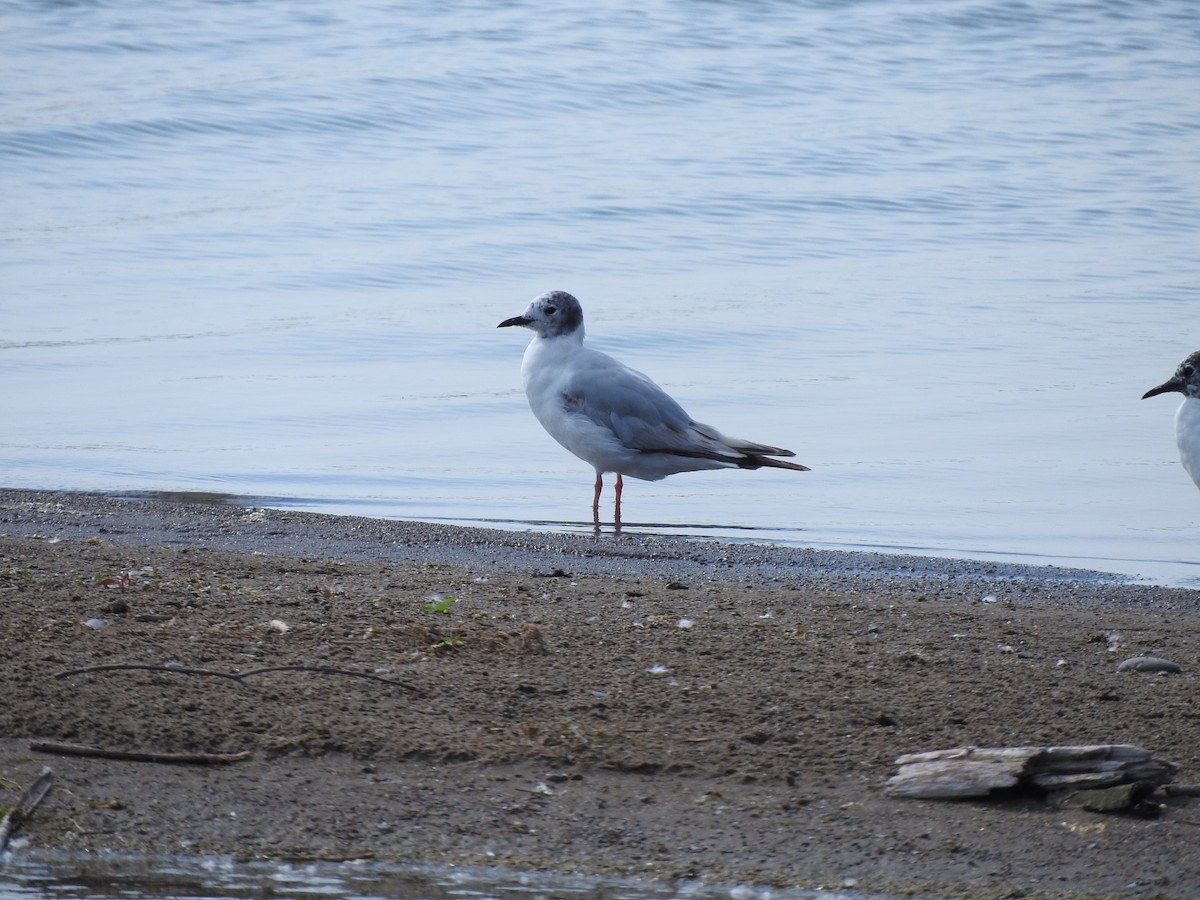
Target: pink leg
620 486
596 500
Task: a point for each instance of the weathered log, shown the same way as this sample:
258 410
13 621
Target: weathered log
977 771
958 772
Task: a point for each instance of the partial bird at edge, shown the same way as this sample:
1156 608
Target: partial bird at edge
1186 381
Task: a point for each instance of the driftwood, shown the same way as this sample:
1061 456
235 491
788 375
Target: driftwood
17 816
203 759
977 771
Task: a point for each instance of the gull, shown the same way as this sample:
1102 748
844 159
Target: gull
613 417
1186 381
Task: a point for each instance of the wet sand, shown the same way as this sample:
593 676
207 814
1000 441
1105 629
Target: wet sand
631 704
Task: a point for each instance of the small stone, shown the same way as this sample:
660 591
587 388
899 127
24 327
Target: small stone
1133 796
1150 664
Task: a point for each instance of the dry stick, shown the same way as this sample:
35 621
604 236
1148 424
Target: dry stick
330 670
29 801
234 676
138 755
178 670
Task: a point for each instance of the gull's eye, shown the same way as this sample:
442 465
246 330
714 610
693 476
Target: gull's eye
1186 371
551 310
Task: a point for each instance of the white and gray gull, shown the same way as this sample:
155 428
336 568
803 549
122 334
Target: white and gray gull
613 417
1186 381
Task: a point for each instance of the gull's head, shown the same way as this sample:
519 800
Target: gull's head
1186 379
551 315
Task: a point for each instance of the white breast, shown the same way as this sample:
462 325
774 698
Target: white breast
546 372
1187 435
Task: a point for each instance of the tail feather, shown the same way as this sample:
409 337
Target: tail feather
759 455
758 461
752 449
731 451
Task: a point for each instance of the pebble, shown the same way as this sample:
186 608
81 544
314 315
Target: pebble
1150 664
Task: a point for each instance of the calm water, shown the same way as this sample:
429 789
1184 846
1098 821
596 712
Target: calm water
939 249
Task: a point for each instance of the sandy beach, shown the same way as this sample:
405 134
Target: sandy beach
632 704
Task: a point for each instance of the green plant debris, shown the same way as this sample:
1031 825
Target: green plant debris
443 643
438 604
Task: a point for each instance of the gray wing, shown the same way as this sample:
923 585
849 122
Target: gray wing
641 414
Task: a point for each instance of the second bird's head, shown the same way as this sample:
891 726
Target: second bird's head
550 315
1186 379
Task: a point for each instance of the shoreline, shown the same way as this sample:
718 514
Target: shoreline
223 522
642 706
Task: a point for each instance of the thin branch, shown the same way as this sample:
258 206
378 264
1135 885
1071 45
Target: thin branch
178 670
234 676
330 670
